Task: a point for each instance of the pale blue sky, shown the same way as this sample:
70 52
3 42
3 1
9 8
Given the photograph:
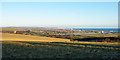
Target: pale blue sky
59 13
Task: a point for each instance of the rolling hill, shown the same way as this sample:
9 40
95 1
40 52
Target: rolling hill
20 37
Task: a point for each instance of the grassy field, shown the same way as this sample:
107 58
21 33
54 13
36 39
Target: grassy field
12 29
20 37
26 49
14 47
100 35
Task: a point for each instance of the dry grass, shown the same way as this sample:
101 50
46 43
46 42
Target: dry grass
98 43
27 46
57 50
20 37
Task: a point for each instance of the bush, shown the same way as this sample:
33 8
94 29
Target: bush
107 40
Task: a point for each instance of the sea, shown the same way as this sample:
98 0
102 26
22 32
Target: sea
98 29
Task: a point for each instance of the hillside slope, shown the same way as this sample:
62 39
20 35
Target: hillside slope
19 37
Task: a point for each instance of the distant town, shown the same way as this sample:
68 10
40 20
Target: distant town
51 31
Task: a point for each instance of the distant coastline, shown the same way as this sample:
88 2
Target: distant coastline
98 29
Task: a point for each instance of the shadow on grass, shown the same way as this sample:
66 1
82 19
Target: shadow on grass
64 44
98 39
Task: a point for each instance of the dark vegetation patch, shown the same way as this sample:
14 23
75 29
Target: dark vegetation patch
99 39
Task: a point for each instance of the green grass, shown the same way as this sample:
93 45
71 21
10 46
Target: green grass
100 35
58 50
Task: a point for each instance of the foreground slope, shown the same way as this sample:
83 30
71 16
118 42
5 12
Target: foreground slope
57 50
26 46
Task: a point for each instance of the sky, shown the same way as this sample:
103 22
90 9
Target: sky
37 14
59 0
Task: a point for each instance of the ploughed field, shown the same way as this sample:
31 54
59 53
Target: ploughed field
26 46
